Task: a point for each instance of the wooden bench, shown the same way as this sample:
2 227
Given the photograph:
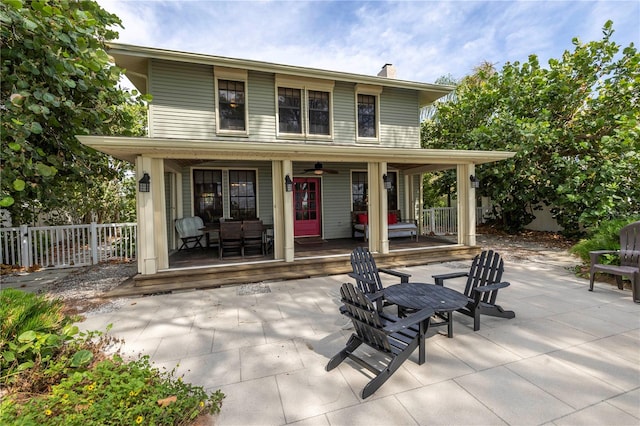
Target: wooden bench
396 227
629 255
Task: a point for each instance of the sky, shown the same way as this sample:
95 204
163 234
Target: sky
424 40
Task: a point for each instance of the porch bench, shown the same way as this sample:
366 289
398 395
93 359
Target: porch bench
396 227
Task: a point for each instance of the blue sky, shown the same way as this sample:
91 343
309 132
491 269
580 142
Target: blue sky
423 39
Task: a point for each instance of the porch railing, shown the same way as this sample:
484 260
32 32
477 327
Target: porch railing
444 220
67 246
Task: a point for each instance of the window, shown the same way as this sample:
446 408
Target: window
359 188
242 194
207 195
368 112
289 104
231 100
231 104
319 113
359 191
304 107
367 116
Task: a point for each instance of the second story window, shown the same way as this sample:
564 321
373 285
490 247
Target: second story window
367 116
231 101
304 107
368 113
231 104
319 123
289 104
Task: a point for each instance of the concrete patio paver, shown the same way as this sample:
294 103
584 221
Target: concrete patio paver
569 357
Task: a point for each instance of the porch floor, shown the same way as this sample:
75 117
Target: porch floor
201 268
304 248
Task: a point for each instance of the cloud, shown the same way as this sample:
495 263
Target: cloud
424 40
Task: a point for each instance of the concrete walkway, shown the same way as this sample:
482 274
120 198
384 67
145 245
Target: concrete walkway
569 357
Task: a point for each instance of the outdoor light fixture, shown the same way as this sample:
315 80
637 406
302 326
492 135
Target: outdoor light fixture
144 184
475 182
387 182
288 184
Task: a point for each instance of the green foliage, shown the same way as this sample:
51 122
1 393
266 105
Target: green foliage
574 126
57 82
116 392
53 374
21 312
606 236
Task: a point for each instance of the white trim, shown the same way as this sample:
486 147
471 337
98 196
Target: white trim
226 191
370 90
304 85
231 74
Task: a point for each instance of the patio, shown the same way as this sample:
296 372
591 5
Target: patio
569 357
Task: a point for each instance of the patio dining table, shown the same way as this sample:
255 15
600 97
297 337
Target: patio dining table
415 296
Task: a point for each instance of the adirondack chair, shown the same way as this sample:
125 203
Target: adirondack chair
483 282
190 231
629 255
395 337
367 277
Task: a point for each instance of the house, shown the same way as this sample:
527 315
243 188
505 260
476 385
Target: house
226 136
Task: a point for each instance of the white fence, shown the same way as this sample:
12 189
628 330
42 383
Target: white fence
67 245
444 220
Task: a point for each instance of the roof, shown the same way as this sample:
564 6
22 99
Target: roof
134 59
411 160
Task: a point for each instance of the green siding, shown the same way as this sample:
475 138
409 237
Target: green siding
399 118
344 113
262 110
183 100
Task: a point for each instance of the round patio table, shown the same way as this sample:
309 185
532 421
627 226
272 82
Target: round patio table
415 296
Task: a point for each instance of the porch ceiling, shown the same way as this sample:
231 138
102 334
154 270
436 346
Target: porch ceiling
410 160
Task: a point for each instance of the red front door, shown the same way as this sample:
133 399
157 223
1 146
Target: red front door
306 215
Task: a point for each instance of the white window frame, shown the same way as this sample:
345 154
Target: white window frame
304 85
226 186
232 74
366 89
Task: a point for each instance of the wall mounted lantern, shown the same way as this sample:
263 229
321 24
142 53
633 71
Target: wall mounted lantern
144 184
387 182
288 184
475 182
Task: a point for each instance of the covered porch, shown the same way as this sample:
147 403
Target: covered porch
170 164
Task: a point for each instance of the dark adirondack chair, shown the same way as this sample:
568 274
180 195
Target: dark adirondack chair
629 255
367 277
395 337
483 282
230 237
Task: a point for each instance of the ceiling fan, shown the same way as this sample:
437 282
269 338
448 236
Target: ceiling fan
318 170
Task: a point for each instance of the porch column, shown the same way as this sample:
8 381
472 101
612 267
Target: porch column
282 211
152 231
378 232
466 205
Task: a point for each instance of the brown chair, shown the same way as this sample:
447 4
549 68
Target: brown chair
230 238
483 282
252 236
629 255
394 337
367 277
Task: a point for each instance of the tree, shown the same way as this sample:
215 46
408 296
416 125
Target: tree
57 82
575 128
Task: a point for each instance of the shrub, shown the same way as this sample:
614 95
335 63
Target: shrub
605 237
54 374
116 392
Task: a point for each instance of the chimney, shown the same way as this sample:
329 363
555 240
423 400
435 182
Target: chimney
388 71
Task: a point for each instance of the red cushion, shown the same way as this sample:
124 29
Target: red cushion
392 218
363 218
